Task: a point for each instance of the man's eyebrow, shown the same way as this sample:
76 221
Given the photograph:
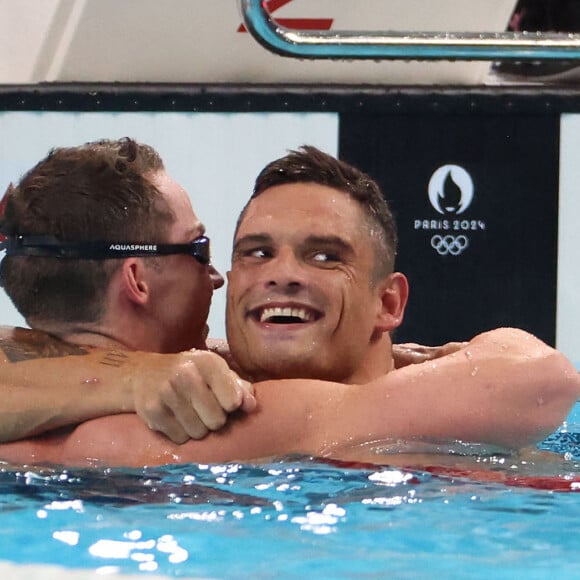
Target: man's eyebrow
197 230
335 241
253 239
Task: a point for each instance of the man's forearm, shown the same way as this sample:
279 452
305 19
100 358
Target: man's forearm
46 383
504 387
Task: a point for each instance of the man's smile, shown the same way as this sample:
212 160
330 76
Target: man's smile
287 314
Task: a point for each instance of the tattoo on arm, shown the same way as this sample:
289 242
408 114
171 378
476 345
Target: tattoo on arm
25 345
115 358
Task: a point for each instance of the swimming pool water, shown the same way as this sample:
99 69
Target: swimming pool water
296 518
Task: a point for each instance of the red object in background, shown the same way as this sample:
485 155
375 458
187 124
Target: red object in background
546 482
294 23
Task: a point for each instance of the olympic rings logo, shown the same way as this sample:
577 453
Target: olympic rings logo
445 245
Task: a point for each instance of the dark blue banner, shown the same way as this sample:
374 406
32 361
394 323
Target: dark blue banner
476 201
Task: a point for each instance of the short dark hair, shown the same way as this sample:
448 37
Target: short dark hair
311 165
97 191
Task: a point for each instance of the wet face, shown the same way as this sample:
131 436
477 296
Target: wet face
183 287
301 302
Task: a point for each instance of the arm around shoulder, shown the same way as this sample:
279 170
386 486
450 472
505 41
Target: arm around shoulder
504 386
46 383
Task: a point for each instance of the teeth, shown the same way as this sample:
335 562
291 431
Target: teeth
287 312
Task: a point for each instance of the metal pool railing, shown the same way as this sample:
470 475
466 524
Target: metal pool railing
391 45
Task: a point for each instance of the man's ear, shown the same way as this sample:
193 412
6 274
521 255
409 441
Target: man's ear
394 292
134 281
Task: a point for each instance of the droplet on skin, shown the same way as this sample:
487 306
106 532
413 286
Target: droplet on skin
468 355
474 371
540 401
91 381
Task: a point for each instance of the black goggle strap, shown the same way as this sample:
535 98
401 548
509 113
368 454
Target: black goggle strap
51 247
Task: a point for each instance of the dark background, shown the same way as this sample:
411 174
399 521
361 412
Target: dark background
507 274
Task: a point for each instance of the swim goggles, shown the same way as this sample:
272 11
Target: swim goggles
52 247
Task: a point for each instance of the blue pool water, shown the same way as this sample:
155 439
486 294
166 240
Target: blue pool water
298 518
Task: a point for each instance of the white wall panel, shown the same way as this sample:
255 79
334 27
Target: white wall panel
568 310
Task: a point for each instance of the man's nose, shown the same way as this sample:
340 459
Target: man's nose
216 278
285 270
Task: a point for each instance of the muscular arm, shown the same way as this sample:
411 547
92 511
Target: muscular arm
504 388
46 383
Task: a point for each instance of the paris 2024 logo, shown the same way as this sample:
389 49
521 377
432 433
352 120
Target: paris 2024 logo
450 192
